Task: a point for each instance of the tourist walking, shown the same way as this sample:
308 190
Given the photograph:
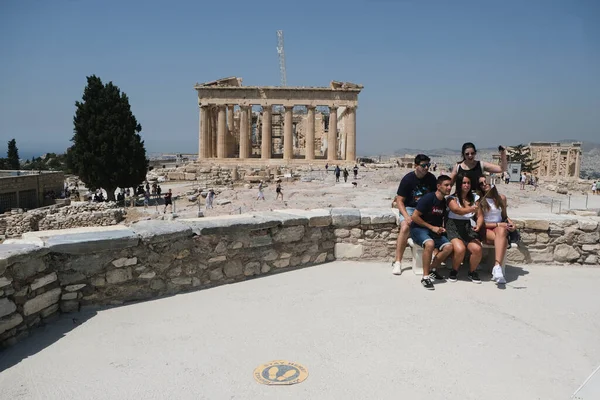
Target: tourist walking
413 186
168 201
346 173
146 199
523 180
210 198
261 194
594 187
337 173
355 170
475 168
462 226
279 191
427 230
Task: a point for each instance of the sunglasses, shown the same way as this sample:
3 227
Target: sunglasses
425 165
483 183
470 154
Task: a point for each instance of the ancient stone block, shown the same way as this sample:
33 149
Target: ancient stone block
252 268
42 301
541 256
289 234
515 255
347 250
46 312
270 255
124 262
147 275
236 245
217 259
588 225
565 253
119 275
543 237
356 233
259 241
215 274
591 259
281 263
376 216
182 281
4 281
341 233
6 307
265 268
589 238
74 288
69 296
528 237
321 258
43 281
98 281
345 217
173 272
157 284
10 322
233 268
182 254
24 270
590 247
537 225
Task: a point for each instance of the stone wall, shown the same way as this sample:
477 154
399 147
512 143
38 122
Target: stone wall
46 273
15 224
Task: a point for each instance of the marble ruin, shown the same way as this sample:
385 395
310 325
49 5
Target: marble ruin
556 160
289 125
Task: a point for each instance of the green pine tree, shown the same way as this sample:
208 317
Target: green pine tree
521 153
107 150
12 155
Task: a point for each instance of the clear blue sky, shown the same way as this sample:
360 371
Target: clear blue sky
436 73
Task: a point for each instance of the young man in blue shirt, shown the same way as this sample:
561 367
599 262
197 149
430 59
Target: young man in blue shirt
427 229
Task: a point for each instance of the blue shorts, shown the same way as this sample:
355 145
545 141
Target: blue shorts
409 211
421 235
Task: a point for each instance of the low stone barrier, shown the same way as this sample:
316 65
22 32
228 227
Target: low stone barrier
61 217
48 272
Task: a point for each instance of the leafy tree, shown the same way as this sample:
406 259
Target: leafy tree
107 150
12 155
522 153
3 163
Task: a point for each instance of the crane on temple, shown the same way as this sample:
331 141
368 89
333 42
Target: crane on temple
281 54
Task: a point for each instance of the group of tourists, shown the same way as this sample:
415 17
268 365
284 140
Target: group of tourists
453 222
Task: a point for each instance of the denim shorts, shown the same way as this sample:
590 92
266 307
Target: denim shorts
409 211
421 235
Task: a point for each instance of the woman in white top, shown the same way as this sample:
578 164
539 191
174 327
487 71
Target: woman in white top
463 225
497 224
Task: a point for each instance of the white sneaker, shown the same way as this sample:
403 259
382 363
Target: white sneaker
397 270
497 274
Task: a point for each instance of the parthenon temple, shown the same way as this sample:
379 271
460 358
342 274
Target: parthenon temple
269 122
556 160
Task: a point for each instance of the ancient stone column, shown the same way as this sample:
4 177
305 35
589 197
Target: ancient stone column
244 133
288 140
203 152
230 132
213 132
568 166
577 163
265 150
332 135
310 134
351 134
221 133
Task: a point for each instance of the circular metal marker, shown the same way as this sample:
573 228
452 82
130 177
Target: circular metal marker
280 372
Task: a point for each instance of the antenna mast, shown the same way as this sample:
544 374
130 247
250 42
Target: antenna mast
281 55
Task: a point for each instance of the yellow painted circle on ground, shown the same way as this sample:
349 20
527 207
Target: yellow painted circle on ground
280 372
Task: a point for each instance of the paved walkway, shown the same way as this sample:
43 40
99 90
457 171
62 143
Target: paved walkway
361 332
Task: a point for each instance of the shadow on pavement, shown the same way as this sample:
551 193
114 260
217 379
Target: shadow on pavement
43 337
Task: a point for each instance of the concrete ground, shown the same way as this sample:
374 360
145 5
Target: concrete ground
361 332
